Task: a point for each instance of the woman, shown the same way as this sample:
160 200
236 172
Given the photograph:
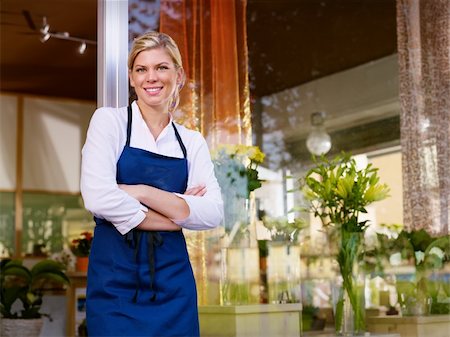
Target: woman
145 177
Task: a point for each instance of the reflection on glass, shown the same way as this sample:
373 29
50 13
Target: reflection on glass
318 141
50 221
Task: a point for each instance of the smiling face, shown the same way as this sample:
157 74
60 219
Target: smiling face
154 77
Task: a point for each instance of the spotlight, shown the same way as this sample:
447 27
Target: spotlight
45 26
82 48
45 37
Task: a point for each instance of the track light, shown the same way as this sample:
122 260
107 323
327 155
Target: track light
46 34
82 48
45 30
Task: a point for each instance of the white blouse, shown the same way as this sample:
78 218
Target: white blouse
106 138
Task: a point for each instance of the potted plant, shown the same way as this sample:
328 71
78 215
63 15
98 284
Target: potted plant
422 292
338 193
81 248
19 283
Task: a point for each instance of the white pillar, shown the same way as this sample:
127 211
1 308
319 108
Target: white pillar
112 53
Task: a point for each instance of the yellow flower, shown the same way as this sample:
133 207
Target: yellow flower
255 154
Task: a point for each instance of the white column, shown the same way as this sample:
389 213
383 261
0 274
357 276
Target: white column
112 53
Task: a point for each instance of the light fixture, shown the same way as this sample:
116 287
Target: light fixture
45 37
46 34
82 48
318 141
45 26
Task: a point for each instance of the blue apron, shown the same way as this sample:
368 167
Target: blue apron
141 283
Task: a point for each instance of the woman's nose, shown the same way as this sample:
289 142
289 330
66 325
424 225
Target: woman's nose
151 75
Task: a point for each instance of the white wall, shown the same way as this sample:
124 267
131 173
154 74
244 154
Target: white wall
54 133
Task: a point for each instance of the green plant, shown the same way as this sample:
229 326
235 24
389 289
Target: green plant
338 193
82 246
428 254
17 282
309 313
283 230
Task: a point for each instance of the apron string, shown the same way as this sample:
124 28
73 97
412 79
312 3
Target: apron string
154 239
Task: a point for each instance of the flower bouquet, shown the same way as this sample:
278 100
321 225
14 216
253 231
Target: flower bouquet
339 193
236 168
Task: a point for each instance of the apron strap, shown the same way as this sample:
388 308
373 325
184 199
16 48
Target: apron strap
180 141
130 120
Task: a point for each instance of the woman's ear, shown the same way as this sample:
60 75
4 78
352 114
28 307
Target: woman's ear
180 78
130 78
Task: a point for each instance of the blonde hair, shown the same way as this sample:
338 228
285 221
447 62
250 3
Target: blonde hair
154 40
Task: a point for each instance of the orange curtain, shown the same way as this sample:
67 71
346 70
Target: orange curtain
211 35
212 39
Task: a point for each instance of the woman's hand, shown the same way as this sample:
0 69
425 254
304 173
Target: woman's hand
157 222
198 191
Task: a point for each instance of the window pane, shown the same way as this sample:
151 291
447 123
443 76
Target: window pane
7 220
50 221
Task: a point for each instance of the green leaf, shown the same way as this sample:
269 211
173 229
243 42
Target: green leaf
56 276
18 271
10 295
46 266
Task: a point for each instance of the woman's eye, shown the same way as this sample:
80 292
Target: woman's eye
163 68
140 70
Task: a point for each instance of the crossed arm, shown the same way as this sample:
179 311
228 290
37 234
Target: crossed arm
163 206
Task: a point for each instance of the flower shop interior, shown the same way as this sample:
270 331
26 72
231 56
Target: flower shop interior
328 124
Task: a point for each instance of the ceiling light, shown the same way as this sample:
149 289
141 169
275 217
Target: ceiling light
45 26
45 29
82 48
47 33
318 141
45 37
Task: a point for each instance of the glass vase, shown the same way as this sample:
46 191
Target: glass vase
239 273
348 288
283 272
239 281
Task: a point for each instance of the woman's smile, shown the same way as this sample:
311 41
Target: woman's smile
153 90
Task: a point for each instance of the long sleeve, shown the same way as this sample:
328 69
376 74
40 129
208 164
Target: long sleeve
101 194
206 212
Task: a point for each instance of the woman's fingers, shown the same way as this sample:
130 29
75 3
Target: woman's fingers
197 191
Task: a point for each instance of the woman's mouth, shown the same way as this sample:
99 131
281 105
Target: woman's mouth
153 90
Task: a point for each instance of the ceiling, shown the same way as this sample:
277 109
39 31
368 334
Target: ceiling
53 68
290 42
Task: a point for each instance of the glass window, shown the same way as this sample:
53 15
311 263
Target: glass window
51 221
7 224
